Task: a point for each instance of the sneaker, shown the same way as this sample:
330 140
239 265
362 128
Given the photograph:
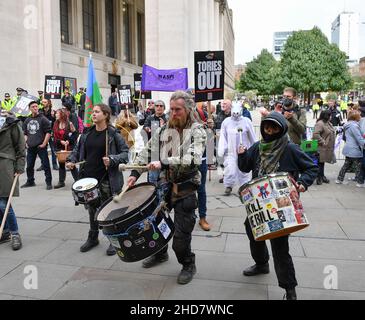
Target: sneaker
339 182
155 260
40 169
16 242
228 191
353 179
49 187
204 224
111 251
360 185
6 237
28 185
325 180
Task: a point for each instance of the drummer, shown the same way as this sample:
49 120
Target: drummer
275 153
181 170
102 164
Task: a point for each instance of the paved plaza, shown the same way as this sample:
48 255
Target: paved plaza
53 230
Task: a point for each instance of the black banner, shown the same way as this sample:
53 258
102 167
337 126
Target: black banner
71 83
125 97
209 76
53 87
138 94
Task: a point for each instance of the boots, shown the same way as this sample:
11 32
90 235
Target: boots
187 273
319 181
256 270
325 180
16 242
204 224
60 185
290 294
92 241
155 260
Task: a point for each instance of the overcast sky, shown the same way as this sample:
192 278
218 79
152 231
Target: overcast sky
256 21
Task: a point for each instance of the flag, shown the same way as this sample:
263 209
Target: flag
164 80
93 96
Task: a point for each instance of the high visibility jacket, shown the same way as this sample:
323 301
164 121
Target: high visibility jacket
315 107
78 98
7 105
343 106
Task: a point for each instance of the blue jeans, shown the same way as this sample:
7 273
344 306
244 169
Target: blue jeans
11 223
31 158
53 151
202 193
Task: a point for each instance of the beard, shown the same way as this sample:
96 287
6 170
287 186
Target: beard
178 123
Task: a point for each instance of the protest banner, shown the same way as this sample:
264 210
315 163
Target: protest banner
209 76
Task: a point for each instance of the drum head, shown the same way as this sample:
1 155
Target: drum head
85 184
135 198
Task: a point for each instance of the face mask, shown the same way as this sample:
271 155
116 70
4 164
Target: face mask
236 111
288 102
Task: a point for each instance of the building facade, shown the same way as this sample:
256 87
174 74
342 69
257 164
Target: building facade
175 29
346 35
55 38
280 39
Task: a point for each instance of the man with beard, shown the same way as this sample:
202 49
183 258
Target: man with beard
180 170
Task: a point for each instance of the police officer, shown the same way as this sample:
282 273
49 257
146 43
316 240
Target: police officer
7 103
182 174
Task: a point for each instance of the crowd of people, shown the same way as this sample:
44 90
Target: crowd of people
210 136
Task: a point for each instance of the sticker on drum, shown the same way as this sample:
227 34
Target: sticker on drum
246 196
127 244
140 241
156 236
283 202
164 229
152 244
114 242
275 225
120 254
289 216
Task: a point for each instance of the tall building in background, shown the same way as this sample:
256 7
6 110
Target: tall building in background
280 39
178 28
346 34
55 37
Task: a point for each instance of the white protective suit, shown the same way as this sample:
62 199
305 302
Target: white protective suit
235 131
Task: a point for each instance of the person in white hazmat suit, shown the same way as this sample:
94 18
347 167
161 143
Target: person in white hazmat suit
236 131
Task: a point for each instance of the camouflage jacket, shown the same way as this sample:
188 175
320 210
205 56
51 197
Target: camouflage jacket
180 153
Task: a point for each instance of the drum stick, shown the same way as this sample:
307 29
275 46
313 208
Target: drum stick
210 110
80 163
8 204
240 133
124 167
120 196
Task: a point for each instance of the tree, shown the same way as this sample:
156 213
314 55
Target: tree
311 64
260 74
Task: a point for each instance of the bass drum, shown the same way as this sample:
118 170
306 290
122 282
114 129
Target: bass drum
137 226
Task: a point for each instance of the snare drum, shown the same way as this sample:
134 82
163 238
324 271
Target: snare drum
273 207
86 191
137 226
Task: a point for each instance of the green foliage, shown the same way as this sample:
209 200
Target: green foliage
311 64
260 74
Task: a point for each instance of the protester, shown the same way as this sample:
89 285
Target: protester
353 149
64 139
104 168
37 130
12 162
275 153
183 169
325 133
236 131
114 103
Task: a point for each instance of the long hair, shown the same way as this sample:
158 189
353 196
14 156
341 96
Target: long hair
106 111
189 105
63 119
325 116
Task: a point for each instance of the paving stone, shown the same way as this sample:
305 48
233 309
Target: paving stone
67 214
93 284
213 290
354 231
334 249
34 249
29 210
233 225
50 279
7 265
34 227
69 254
214 221
209 243
322 229
4 297
68 231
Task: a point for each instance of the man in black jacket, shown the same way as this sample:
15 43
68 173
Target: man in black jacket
105 169
274 153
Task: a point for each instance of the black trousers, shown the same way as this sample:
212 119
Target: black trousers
184 220
62 173
94 207
283 262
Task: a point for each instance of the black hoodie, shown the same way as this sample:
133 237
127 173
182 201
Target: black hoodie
294 160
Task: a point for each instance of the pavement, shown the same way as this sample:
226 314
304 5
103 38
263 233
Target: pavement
329 256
